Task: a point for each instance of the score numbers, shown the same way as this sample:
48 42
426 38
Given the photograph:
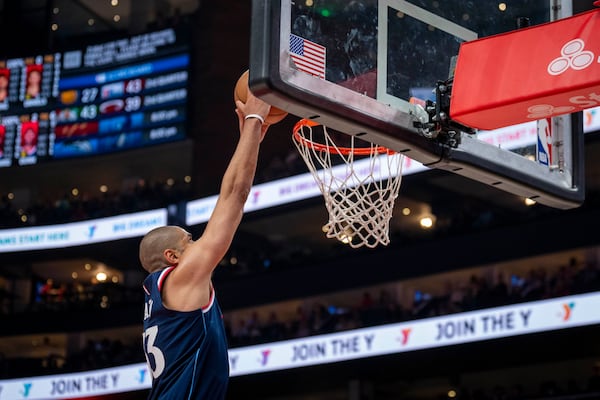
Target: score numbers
91 98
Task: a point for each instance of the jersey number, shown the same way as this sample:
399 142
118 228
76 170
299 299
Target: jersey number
150 349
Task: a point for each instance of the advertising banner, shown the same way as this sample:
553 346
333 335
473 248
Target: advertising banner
529 74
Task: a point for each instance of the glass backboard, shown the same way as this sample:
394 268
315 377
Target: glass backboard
377 69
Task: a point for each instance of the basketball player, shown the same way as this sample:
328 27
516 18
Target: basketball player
184 336
4 73
34 81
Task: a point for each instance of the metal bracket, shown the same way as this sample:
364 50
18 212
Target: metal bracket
439 125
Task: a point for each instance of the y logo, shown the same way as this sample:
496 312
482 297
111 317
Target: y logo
91 230
572 56
405 334
255 196
567 310
265 357
142 376
588 116
26 389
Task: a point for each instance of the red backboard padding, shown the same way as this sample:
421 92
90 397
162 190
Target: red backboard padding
529 74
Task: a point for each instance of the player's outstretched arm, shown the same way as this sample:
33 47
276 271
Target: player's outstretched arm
196 264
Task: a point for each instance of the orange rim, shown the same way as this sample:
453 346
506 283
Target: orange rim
360 151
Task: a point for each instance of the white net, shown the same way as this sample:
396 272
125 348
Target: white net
359 184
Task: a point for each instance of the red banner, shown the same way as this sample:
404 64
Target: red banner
529 74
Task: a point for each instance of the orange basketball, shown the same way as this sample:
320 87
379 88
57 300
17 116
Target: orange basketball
241 93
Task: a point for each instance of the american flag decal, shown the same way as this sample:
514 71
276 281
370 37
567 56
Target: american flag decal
308 56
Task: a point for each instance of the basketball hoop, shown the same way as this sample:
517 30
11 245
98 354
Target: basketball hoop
359 184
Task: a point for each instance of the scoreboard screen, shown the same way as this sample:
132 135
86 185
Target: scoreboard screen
107 97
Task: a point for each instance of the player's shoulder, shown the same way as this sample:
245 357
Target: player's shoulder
157 278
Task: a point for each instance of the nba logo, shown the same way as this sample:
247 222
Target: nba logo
544 142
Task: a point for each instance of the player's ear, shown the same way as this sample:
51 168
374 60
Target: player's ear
171 256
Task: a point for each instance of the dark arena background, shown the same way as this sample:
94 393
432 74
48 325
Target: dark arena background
134 126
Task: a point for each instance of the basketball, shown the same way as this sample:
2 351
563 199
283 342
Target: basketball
241 93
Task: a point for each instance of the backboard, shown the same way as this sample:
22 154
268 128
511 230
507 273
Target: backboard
380 70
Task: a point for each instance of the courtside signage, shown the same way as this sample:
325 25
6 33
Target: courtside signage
493 323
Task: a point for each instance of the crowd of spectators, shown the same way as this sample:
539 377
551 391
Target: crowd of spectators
96 354
549 388
139 196
79 296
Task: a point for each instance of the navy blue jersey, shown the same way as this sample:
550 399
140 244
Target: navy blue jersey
186 352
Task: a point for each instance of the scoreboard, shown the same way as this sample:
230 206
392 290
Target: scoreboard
103 98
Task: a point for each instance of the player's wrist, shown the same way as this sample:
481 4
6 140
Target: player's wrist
255 116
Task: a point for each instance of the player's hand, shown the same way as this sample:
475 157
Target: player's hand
253 105
242 121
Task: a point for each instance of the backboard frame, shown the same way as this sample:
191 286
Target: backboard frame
274 78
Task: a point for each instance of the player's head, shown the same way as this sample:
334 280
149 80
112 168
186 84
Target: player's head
162 247
29 134
3 86
35 75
